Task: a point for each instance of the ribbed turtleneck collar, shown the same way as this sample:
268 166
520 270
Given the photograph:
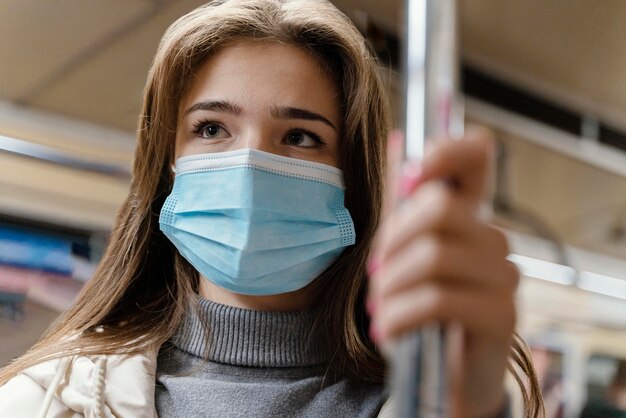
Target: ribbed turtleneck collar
245 337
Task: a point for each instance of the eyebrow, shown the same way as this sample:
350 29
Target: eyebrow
296 113
216 106
282 112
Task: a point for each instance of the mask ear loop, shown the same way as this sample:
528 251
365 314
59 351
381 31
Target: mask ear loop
174 174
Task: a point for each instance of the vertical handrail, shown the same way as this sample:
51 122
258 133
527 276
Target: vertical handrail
418 379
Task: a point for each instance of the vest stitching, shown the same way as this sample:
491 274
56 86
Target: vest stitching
99 387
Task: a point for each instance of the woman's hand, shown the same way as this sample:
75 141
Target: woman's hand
436 260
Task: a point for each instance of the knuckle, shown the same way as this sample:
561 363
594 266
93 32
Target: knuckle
436 149
438 152
442 207
433 256
512 274
435 300
499 240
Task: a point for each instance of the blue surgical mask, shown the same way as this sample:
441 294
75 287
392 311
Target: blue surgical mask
256 223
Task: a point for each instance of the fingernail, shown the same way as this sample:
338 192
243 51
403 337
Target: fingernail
374 333
377 334
373 265
370 306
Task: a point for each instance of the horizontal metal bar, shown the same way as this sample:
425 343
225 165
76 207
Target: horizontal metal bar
54 156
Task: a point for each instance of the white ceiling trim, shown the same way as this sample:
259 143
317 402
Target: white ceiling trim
52 129
546 90
598 155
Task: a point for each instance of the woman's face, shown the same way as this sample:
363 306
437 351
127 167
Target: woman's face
261 95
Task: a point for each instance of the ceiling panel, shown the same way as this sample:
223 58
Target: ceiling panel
385 13
39 38
583 204
108 88
570 50
574 46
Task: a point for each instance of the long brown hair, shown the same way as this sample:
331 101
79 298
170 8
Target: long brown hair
142 287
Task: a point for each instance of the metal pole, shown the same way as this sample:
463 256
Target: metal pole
418 379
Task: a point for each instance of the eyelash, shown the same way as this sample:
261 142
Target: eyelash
318 140
200 125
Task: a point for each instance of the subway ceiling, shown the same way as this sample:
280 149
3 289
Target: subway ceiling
88 59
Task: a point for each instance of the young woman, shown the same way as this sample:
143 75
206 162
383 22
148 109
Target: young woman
235 280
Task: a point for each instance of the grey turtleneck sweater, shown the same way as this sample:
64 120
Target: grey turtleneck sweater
254 364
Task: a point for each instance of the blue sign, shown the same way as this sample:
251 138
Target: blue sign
37 251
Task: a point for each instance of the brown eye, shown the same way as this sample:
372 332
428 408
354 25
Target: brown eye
303 139
209 130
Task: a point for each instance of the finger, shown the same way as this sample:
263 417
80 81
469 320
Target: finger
441 260
490 315
433 208
465 163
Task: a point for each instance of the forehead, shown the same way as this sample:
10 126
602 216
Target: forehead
260 72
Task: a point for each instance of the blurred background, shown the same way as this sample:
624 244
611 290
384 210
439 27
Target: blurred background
549 77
